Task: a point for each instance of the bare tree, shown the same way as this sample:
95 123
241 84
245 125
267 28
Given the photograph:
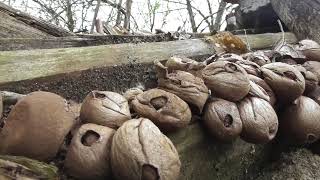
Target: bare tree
119 15
191 16
96 11
126 23
221 10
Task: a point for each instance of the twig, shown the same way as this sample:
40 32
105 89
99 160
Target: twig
281 28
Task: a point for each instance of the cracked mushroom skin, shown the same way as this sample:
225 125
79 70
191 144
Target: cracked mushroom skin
226 80
88 156
259 120
105 108
141 152
184 64
164 109
285 80
222 119
300 121
185 85
36 126
266 87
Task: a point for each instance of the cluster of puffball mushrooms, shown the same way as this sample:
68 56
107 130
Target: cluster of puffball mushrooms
252 95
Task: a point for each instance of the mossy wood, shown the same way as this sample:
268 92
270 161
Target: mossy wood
23 65
301 17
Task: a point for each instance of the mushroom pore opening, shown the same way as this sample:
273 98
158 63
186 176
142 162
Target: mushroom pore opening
159 102
228 120
149 172
89 138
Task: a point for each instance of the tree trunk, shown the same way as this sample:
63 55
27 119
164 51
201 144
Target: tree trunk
69 14
96 11
191 16
221 9
119 14
22 65
301 17
211 25
128 15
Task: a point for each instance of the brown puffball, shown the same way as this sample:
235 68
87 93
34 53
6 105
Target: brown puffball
285 80
258 57
229 57
222 119
226 80
300 121
131 93
164 109
141 152
315 94
88 155
250 67
265 86
257 91
105 108
314 67
259 120
184 64
36 126
310 78
188 87
310 49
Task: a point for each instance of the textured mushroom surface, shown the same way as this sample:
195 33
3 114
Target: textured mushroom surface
226 80
105 108
222 119
165 109
259 120
300 121
188 87
37 126
285 80
140 151
88 155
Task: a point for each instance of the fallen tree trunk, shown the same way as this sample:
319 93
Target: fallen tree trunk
301 17
15 23
22 65
11 44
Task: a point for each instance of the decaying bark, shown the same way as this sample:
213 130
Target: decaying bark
17 24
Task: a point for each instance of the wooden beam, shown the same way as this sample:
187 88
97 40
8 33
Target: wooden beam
23 65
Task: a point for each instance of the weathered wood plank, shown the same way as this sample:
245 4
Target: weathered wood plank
15 23
22 65
11 44
301 17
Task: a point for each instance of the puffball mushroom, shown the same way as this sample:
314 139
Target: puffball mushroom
141 152
105 108
250 67
88 155
164 109
222 119
37 126
188 87
184 64
310 49
258 57
285 80
314 67
300 121
265 86
259 120
226 80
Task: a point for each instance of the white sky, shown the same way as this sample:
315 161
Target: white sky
140 11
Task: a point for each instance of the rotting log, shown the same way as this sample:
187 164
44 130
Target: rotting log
23 65
15 23
11 44
301 17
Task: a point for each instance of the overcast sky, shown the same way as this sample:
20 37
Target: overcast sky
176 18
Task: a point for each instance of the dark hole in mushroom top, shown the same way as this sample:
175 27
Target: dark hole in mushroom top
89 138
149 172
159 102
311 138
228 120
290 75
230 67
99 95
